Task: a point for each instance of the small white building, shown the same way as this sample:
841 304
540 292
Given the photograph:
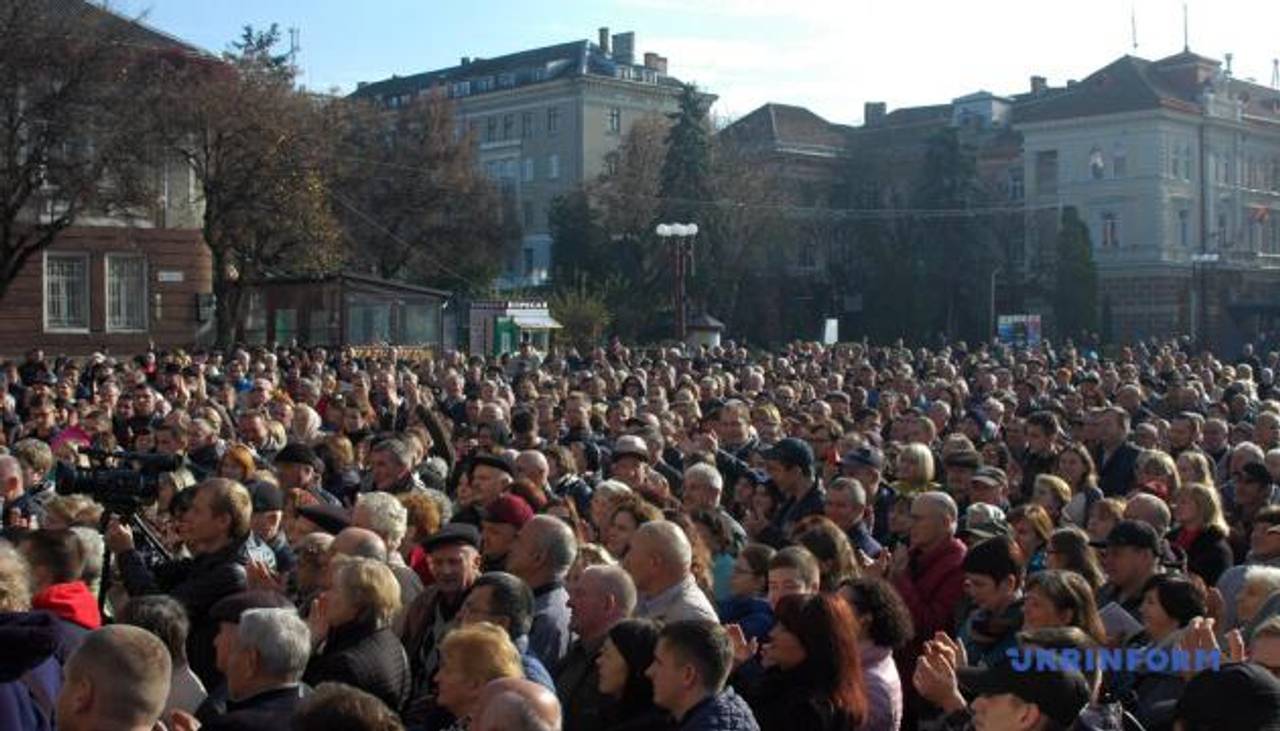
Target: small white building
499 326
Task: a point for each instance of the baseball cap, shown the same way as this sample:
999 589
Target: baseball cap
983 521
1253 693
791 451
452 534
509 510
1134 534
867 456
1060 695
630 445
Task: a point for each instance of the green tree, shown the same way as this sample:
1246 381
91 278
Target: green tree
583 311
686 170
1075 294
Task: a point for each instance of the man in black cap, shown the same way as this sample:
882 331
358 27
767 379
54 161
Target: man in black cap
268 513
1250 692
866 465
1004 697
300 468
1132 559
790 466
488 476
454 552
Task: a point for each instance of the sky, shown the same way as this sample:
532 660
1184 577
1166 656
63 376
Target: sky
831 56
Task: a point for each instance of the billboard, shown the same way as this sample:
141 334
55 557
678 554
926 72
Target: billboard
1020 331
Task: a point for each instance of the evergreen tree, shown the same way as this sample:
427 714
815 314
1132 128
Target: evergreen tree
686 171
1075 295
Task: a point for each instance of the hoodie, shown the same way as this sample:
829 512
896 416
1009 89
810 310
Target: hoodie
72 602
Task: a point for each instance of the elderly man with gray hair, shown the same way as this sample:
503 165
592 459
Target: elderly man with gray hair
703 486
660 561
930 574
267 656
541 555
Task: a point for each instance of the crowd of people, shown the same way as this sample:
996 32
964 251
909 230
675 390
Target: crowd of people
827 538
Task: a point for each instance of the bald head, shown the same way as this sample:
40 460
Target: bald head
516 704
666 541
359 543
1149 509
532 466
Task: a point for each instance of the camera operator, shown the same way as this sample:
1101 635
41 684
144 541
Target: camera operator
216 529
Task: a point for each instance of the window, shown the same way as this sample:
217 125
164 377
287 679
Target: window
1221 233
508 126
1097 165
506 80
255 319
126 293
808 255
286 326
1273 238
1184 228
528 169
553 120
1110 230
1186 161
528 261
460 88
491 129
1119 161
66 292
553 167
527 212
526 125
1017 186
1047 172
615 120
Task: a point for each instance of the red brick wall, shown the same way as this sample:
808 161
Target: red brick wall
168 250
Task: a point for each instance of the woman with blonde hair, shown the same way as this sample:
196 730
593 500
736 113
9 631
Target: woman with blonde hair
305 425
470 658
1202 532
1051 493
915 470
1193 466
353 621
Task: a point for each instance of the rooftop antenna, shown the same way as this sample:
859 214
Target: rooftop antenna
1228 56
1275 73
1186 32
1133 23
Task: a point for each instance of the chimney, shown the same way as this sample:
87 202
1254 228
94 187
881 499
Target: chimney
624 48
604 40
873 113
661 68
1039 85
651 60
465 60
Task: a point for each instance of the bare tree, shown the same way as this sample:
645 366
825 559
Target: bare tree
69 130
412 202
260 151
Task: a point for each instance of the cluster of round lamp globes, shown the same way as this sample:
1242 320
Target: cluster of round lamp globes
682 230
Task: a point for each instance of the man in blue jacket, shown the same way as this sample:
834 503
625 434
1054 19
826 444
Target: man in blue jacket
690 666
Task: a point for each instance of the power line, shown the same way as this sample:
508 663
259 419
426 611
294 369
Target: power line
394 237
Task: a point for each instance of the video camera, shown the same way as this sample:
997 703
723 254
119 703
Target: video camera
123 482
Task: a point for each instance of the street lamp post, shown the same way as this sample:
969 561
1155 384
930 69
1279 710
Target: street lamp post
1201 263
681 236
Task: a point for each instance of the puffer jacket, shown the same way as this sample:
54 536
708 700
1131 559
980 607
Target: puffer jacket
724 711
